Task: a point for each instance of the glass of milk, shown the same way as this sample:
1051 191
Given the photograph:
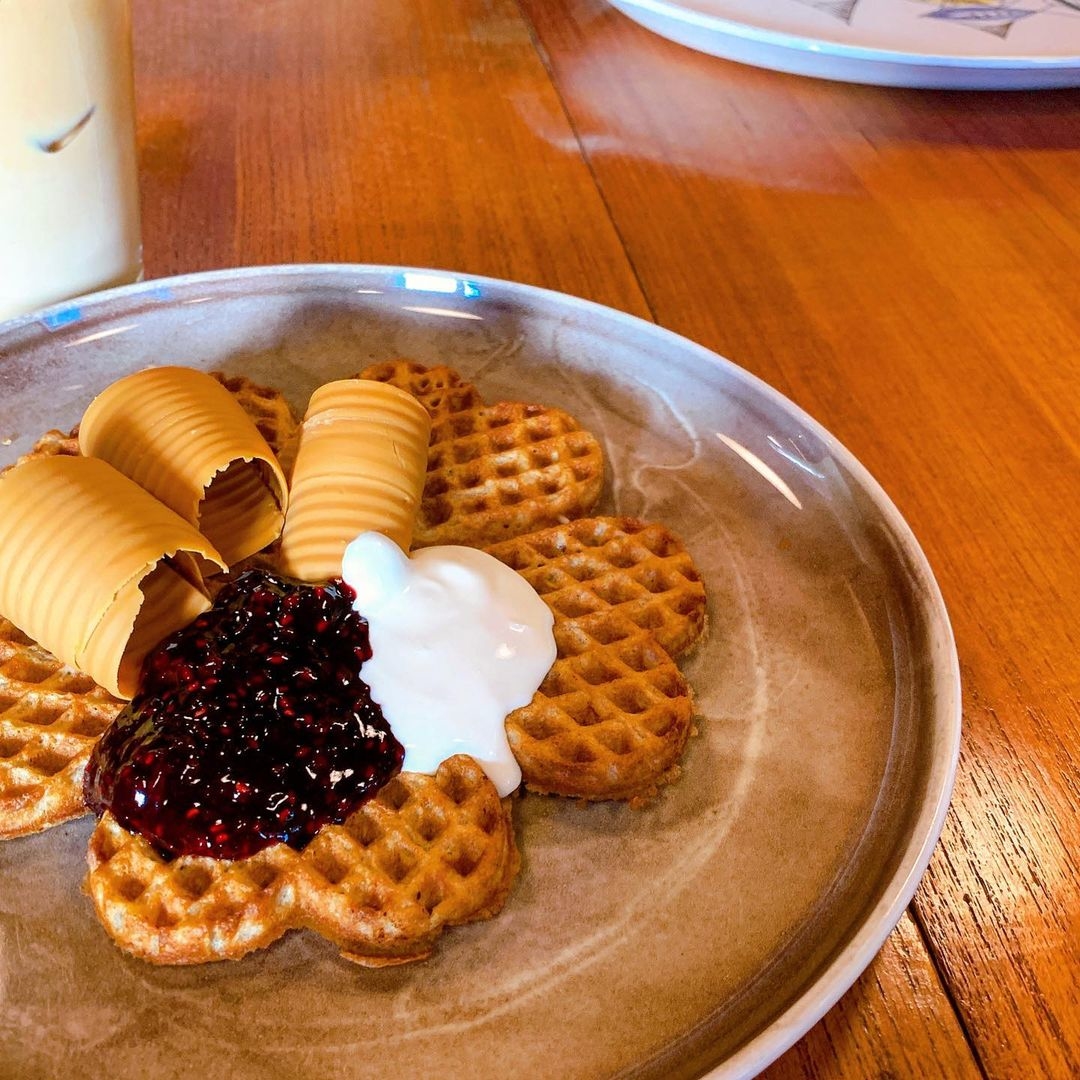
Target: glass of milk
69 200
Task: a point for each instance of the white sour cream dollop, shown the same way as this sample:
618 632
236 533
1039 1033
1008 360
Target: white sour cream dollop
458 641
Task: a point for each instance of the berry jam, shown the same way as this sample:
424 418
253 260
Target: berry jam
252 725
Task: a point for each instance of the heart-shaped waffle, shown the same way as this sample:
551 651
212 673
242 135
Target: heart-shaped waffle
266 405
426 852
612 717
50 717
50 714
609 722
494 471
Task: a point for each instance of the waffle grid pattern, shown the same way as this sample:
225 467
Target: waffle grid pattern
424 853
265 405
494 471
612 717
50 717
609 722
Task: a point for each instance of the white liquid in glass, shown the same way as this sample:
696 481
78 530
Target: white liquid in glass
69 207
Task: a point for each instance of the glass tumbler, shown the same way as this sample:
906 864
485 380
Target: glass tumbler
69 200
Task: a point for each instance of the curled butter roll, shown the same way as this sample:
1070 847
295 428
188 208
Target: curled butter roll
95 569
183 437
361 460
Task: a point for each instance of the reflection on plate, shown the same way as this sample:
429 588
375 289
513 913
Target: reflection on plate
707 932
958 44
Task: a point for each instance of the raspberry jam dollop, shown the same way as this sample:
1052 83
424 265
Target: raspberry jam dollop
252 725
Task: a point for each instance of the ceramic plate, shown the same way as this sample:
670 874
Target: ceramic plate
958 44
706 932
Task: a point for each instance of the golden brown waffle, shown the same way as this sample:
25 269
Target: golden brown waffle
50 717
55 442
634 569
265 405
50 714
425 853
612 717
494 471
441 390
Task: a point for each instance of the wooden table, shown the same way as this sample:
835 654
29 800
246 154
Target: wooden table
904 265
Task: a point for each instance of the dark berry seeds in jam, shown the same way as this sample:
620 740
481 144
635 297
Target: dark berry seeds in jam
252 726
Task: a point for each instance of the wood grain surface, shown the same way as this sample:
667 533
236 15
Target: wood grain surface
904 265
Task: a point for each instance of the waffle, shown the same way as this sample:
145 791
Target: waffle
425 853
612 717
494 471
609 722
272 414
50 717
50 714
265 405
53 442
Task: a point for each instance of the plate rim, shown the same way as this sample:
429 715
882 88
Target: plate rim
753 31
878 922
823 57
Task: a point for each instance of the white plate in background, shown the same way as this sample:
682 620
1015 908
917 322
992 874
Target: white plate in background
948 44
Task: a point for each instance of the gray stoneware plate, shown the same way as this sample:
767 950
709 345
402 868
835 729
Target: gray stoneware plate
707 932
